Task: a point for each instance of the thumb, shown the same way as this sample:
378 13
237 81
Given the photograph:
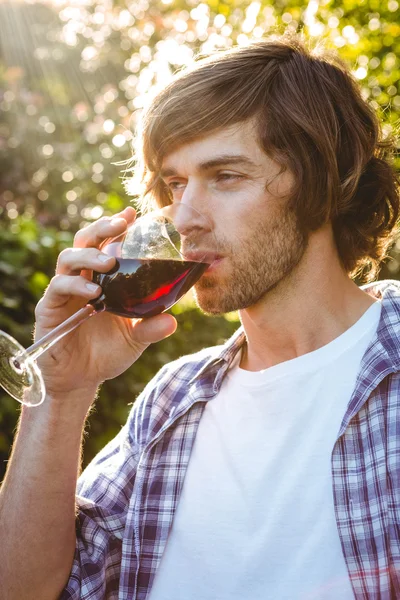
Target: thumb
148 331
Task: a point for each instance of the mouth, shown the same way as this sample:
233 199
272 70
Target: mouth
214 264
204 257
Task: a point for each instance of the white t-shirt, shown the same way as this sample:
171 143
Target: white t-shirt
255 520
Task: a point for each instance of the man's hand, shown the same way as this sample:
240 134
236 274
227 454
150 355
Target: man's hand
105 345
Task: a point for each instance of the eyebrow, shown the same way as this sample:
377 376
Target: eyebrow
218 161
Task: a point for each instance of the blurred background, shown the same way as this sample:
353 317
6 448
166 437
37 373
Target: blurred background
74 77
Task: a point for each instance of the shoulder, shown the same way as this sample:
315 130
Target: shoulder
387 291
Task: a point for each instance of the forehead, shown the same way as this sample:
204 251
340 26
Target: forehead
234 140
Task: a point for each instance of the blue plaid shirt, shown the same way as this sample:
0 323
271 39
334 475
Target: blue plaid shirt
128 495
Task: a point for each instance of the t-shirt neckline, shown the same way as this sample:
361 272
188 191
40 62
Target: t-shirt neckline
314 360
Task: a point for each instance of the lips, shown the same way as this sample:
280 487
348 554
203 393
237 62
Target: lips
201 256
215 263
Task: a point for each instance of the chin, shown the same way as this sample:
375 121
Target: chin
208 301
211 302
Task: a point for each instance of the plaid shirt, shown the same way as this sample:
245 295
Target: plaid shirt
128 495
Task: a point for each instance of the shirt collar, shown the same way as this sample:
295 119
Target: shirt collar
221 359
388 332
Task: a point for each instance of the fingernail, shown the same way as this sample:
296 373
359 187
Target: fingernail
104 258
92 287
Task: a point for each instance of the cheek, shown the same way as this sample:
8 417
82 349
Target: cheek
236 207
237 237
237 215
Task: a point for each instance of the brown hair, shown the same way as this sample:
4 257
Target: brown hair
311 119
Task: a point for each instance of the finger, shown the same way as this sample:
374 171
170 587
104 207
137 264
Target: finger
62 287
106 227
148 331
72 261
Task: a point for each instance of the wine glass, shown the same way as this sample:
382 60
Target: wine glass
158 259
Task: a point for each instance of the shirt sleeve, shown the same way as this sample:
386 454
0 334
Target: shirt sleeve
104 492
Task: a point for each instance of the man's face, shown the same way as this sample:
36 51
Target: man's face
258 242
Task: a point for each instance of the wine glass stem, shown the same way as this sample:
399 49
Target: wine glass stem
48 340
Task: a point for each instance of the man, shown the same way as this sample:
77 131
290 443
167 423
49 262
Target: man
267 468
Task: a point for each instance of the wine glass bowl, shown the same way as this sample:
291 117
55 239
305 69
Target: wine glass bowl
151 272
158 259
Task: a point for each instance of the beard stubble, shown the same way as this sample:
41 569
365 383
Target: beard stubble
258 263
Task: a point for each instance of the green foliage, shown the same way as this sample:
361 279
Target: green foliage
73 78
27 258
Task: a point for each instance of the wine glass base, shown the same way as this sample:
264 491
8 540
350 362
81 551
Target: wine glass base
21 379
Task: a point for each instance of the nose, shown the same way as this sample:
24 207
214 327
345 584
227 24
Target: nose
194 196
186 229
185 214
187 219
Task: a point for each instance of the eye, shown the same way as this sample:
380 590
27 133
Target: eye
175 185
228 177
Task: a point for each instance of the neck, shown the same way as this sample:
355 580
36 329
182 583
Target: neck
308 309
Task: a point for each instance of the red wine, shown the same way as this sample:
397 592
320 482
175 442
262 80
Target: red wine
138 288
